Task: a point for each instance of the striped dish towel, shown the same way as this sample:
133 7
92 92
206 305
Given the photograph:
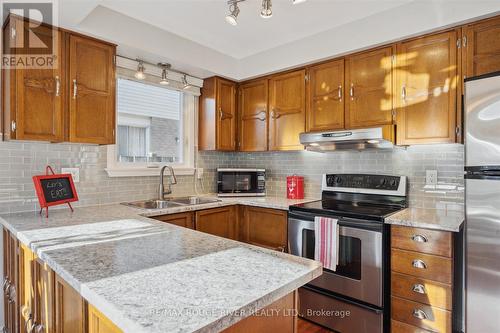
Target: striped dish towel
326 249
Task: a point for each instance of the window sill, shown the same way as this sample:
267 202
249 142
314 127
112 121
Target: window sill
146 172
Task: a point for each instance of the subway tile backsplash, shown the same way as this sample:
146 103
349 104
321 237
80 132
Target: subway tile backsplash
19 161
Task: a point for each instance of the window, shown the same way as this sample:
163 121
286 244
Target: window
154 127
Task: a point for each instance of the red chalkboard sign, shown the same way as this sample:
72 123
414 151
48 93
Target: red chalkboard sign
53 190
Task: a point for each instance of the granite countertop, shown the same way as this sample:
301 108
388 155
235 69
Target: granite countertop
437 219
149 276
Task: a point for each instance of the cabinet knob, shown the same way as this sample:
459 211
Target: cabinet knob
419 314
418 288
419 238
417 263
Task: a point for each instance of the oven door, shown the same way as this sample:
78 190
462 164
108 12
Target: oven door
359 274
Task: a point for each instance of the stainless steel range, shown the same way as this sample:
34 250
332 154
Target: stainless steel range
350 299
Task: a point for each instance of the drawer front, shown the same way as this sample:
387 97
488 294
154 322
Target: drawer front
421 315
422 240
421 265
421 290
399 327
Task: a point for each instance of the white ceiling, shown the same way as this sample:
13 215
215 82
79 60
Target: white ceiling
193 35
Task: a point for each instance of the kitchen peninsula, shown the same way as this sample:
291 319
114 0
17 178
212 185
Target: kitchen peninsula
131 273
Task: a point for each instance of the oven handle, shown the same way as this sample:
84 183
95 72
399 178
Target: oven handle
342 221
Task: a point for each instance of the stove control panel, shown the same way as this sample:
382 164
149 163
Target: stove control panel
372 182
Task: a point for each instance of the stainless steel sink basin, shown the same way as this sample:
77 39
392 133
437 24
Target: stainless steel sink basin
154 204
193 200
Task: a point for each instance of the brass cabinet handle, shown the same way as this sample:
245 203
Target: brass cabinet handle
419 314
220 113
403 94
275 114
417 263
12 293
27 328
351 91
6 283
280 249
39 328
262 116
419 238
75 89
58 86
418 288
340 93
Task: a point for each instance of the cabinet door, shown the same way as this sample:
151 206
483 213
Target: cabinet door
287 105
482 45
265 227
70 309
92 91
37 104
427 79
369 81
253 116
11 283
185 220
226 115
218 221
26 288
325 96
98 323
44 316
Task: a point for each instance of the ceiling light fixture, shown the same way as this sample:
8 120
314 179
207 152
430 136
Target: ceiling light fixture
185 83
164 79
266 11
234 10
140 75
296 2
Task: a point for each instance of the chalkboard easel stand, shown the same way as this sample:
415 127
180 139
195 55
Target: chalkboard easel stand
48 169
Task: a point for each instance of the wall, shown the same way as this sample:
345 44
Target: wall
19 161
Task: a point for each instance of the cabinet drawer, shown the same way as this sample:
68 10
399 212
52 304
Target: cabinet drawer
420 290
421 315
422 240
422 265
399 327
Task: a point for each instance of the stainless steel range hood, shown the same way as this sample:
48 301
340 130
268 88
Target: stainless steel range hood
356 139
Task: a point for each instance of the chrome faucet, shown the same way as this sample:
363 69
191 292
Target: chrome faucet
172 181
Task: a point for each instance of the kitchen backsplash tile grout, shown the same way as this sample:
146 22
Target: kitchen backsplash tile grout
19 161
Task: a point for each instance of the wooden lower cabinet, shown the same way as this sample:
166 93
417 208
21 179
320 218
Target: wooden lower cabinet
70 309
98 323
264 227
422 280
11 283
217 221
185 220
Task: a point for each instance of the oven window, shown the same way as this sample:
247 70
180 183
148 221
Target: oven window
349 254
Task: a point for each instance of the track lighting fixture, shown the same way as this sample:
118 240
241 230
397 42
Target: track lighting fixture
266 11
185 83
139 74
234 10
164 80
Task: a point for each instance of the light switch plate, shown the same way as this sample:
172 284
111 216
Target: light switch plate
431 177
75 173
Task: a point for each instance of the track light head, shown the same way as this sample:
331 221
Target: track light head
164 79
266 11
139 74
234 11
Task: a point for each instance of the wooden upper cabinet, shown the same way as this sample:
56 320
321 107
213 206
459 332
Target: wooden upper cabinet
481 43
325 96
426 91
253 116
369 86
33 97
287 110
217 115
217 221
92 91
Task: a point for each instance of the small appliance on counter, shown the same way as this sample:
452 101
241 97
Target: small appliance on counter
359 284
241 182
295 187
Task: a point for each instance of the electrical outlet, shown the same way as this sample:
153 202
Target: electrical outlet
75 173
199 173
431 177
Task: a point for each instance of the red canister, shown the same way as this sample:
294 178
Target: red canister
295 187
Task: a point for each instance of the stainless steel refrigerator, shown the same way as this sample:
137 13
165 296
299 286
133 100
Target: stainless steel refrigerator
482 203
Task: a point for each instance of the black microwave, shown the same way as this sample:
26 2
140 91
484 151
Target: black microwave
241 182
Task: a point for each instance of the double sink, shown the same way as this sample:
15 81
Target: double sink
171 202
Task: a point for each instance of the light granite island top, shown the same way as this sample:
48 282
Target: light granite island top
149 276
437 219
